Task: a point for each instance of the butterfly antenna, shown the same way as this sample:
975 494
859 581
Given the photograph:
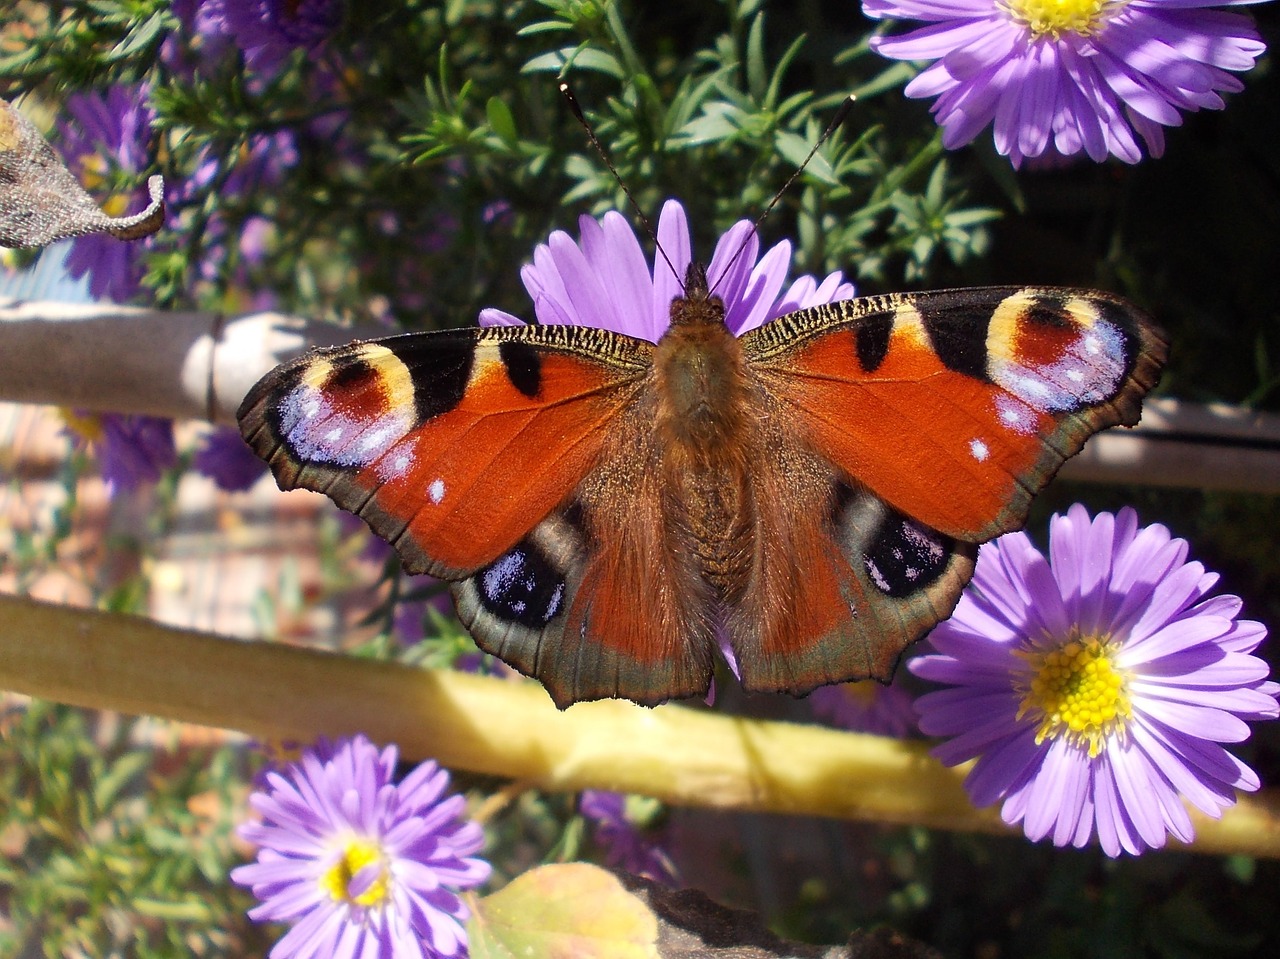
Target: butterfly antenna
841 115
567 92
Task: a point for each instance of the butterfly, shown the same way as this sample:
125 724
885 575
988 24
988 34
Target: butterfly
610 510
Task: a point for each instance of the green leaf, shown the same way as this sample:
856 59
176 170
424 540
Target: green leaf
119 775
573 909
895 76
139 38
794 148
757 76
584 58
501 121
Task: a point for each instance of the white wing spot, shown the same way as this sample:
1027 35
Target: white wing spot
980 450
436 490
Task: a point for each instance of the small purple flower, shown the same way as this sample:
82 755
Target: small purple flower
228 460
866 707
269 30
131 449
605 281
620 828
1094 687
262 161
204 37
358 864
99 134
1065 76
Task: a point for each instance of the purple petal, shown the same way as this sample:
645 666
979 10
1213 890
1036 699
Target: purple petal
490 316
1211 724
673 238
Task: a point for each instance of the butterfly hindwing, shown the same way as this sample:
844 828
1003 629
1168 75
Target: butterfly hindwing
454 445
955 407
604 598
841 583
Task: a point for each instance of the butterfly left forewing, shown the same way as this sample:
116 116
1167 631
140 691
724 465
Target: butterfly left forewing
451 445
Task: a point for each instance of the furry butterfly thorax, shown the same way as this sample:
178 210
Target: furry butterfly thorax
812 491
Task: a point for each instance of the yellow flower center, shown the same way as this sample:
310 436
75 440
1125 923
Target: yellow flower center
863 692
1077 692
116 205
1056 17
87 426
93 171
93 174
358 855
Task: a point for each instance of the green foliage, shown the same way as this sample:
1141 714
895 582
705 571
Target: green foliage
424 172
108 853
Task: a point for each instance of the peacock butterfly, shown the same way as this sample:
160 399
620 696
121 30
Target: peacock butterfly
608 508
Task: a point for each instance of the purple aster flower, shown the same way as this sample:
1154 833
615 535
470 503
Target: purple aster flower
604 280
131 450
98 134
1094 687
866 706
226 459
358 864
261 161
621 827
204 37
269 30
1070 75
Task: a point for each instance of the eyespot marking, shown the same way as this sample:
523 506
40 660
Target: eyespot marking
906 556
522 587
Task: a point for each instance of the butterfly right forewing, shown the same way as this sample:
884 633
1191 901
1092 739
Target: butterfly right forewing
957 406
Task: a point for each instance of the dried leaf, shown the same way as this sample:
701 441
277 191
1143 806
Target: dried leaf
40 201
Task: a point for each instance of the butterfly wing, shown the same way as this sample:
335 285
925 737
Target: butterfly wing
520 463
956 407
927 423
604 598
453 445
840 582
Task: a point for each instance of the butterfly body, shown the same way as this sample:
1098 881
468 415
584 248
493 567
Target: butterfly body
706 437
812 492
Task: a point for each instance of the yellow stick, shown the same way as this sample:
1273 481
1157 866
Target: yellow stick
684 756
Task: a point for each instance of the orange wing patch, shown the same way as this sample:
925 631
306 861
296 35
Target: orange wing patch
469 483
451 445
956 407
